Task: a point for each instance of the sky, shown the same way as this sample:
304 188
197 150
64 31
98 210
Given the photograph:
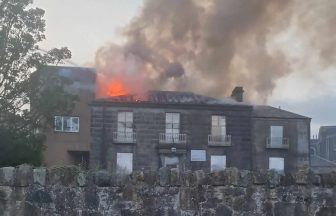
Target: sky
86 25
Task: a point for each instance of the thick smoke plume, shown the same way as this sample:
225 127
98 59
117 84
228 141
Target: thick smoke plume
211 46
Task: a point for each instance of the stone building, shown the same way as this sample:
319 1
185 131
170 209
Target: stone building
68 142
327 142
323 158
191 132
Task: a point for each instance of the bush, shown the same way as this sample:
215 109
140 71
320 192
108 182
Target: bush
20 147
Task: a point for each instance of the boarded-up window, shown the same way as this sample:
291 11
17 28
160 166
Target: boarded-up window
276 163
124 163
170 161
198 155
218 162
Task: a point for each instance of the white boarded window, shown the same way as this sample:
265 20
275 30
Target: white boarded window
276 163
66 124
198 155
170 161
124 163
218 125
125 123
218 162
276 136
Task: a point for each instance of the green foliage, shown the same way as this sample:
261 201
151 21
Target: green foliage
26 102
18 148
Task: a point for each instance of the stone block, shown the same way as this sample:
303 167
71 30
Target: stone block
138 177
63 175
328 179
287 179
217 178
7 176
82 180
150 177
40 175
231 176
164 176
301 177
175 177
259 178
102 178
201 178
23 175
273 178
245 178
188 198
188 179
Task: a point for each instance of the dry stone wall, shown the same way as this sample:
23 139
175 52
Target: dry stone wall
70 191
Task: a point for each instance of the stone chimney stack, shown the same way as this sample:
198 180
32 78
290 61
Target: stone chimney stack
238 93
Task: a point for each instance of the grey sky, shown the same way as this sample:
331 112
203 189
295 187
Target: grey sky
86 25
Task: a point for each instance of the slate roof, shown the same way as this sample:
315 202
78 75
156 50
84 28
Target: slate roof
188 98
263 111
174 97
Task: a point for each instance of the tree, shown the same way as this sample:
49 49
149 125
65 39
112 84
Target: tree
26 103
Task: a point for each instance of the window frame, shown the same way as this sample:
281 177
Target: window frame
272 142
125 122
219 126
175 127
62 118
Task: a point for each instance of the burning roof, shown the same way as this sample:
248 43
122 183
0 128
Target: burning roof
173 97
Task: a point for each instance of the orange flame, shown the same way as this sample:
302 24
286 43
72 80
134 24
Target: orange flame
116 87
110 88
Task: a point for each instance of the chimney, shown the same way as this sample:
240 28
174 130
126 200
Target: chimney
237 93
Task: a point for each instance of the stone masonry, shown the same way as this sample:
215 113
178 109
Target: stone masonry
70 191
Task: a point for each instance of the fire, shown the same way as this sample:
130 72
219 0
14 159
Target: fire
116 87
111 87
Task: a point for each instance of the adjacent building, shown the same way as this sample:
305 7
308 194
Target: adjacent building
323 150
327 142
68 142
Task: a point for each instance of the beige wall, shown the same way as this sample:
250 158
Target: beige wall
58 144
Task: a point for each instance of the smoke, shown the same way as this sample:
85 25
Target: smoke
211 46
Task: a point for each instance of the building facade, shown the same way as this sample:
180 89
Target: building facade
191 132
327 142
280 139
68 142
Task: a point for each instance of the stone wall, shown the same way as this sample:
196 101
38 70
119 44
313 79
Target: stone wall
70 191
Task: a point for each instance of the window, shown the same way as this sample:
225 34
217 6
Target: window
125 125
198 155
218 125
276 136
276 163
218 162
170 161
124 163
172 126
66 124
172 123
